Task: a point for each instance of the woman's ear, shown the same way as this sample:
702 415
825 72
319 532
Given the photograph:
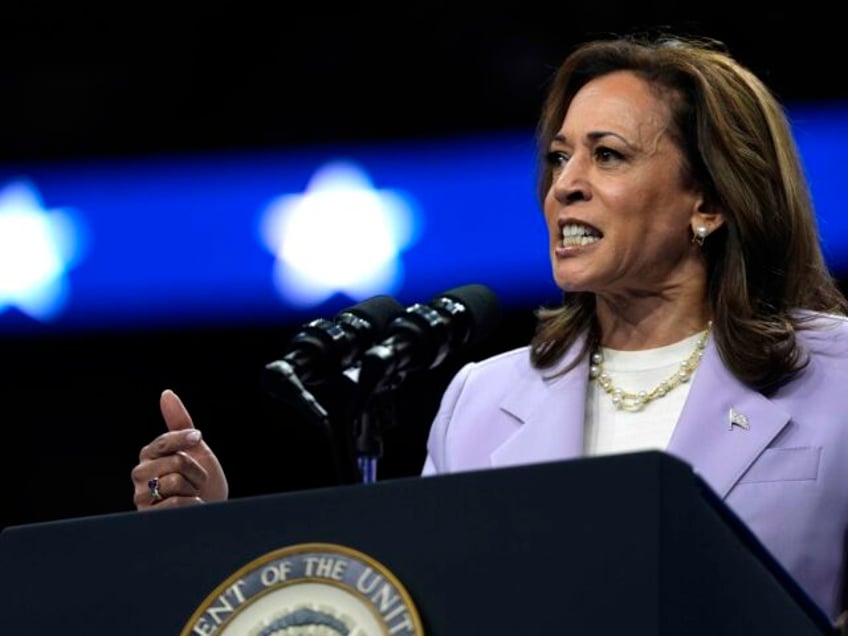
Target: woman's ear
706 215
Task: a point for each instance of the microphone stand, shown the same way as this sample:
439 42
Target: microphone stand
374 411
369 447
378 414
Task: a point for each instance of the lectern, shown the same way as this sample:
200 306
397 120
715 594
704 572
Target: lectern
628 544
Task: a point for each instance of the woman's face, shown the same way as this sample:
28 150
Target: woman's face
617 211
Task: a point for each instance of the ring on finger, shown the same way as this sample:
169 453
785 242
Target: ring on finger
155 495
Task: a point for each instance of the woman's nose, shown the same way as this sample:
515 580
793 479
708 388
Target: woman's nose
571 183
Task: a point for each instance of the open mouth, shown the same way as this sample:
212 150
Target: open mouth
579 235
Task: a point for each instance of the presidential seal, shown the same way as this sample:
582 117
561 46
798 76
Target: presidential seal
320 589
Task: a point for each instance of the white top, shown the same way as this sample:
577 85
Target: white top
610 430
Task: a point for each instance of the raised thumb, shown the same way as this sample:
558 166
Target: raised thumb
174 412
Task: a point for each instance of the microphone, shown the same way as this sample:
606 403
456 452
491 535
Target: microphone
323 348
424 334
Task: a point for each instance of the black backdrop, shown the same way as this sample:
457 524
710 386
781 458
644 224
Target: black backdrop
78 82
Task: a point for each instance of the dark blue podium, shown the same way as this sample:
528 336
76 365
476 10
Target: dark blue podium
633 544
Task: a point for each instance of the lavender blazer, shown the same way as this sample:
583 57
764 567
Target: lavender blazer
786 475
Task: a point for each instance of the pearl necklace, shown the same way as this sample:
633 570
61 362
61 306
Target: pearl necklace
630 401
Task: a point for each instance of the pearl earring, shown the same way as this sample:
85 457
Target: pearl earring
699 235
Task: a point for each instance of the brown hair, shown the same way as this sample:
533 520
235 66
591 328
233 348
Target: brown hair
765 263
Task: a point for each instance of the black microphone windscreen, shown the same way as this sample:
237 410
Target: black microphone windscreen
483 306
377 311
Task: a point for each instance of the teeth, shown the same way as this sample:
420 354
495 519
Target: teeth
578 235
574 241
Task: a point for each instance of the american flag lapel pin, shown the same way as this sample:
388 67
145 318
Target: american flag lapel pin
738 419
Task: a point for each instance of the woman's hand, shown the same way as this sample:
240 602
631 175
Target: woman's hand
177 468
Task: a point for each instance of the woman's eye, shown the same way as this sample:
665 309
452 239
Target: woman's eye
607 154
556 158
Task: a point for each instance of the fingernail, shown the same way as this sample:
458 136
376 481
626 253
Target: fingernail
193 436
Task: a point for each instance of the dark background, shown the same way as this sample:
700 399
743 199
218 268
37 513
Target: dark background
78 83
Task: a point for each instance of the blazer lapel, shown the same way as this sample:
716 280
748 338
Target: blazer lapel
550 406
551 413
718 450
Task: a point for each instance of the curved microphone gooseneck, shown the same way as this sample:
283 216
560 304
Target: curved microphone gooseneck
420 338
324 349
